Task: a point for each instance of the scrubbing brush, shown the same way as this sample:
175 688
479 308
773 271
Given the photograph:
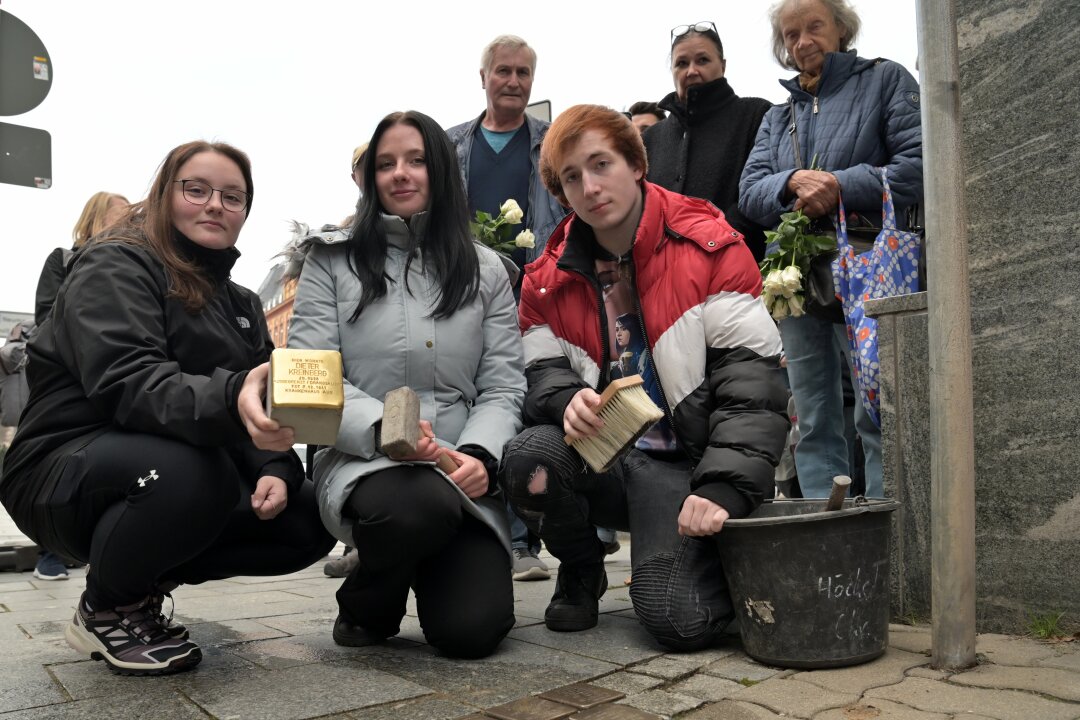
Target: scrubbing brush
628 412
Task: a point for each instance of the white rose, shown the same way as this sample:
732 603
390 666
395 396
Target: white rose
511 211
791 278
779 309
525 239
795 306
774 283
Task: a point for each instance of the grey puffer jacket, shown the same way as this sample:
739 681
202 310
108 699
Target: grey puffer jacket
865 116
545 212
468 369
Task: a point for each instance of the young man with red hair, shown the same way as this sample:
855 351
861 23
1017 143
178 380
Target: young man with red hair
634 252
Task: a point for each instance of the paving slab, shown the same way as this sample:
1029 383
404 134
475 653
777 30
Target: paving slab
879 709
741 669
915 642
514 670
794 698
230 632
925 671
731 710
885 670
292 651
531 708
303 692
428 707
627 682
946 698
614 712
83 678
1010 650
582 695
27 685
668 667
707 687
1045 681
614 639
662 702
138 706
1068 659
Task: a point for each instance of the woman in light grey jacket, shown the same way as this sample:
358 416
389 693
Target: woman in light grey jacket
410 299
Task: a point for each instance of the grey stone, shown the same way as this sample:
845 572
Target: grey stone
740 669
1045 681
886 670
1010 650
730 710
303 692
662 702
1019 229
301 650
929 673
514 670
229 632
163 703
949 699
668 667
878 709
614 639
707 687
26 686
794 698
627 682
913 642
422 708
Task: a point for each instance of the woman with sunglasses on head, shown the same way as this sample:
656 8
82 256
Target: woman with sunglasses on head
410 299
133 453
700 148
852 116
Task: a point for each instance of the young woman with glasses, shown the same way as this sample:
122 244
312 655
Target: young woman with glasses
702 145
134 451
409 298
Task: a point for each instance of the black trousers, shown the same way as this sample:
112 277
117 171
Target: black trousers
679 591
144 509
411 531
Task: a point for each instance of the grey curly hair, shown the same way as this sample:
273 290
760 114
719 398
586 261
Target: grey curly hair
843 14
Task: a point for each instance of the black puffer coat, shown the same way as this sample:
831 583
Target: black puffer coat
700 149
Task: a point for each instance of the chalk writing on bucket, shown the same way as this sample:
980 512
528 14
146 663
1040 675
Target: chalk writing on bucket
860 586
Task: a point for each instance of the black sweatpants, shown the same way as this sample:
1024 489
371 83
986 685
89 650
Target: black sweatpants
144 509
411 530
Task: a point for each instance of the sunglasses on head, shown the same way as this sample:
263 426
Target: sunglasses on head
704 26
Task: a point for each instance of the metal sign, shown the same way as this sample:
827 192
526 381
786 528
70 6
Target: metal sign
25 156
26 71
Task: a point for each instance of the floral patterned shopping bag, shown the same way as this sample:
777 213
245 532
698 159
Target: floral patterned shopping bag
890 268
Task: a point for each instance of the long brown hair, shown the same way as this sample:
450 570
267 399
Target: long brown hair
150 224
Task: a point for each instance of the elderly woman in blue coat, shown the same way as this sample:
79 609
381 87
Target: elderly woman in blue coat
410 299
852 115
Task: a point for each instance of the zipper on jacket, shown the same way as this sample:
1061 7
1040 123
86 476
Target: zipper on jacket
605 372
815 105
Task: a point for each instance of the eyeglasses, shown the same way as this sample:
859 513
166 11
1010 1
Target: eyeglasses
197 192
700 27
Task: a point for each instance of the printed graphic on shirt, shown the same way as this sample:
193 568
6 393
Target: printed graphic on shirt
628 353
243 322
152 475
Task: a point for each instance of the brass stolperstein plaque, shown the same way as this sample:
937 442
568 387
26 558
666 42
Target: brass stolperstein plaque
304 392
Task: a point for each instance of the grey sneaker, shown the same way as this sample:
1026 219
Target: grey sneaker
174 629
529 567
130 639
342 566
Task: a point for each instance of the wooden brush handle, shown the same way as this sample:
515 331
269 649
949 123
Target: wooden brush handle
446 464
840 485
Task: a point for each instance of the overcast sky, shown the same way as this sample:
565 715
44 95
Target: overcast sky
298 85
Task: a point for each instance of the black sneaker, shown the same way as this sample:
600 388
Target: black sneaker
173 629
576 602
130 639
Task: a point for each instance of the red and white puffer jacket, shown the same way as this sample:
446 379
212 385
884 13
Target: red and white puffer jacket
713 344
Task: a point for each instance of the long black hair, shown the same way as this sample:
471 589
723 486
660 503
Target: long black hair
447 243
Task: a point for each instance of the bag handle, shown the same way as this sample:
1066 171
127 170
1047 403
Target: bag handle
888 209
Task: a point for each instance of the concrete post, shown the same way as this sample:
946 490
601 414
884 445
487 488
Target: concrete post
952 445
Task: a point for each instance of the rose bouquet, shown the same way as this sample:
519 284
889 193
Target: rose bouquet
495 232
783 269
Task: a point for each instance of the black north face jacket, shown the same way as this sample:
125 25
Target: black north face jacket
118 354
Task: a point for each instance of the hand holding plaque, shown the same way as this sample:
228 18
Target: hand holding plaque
304 392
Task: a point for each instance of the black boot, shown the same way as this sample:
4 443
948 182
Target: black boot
576 602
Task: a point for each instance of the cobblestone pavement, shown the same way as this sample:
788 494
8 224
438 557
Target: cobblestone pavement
268 654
